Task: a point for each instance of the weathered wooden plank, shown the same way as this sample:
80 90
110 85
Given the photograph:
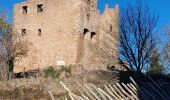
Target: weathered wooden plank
85 97
114 91
72 95
51 95
142 94
101 94
110 98
86 91
129 90
157 86
90 90
119 92
120 87
147 92
77 97
72 98
133 81
65 87
65 99
108 90
159 93
135 88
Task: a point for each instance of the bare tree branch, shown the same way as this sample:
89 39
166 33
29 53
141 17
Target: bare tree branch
12 46
136 35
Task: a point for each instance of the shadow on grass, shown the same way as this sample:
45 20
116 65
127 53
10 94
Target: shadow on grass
149 86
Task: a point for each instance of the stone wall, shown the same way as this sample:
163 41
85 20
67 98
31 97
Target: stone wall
60 30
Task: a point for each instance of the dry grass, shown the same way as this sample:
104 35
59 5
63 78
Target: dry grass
24 94
37 88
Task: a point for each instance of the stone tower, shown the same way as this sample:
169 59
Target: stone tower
58 30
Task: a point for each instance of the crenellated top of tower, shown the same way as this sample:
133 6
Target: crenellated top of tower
106 7
110 16
114 10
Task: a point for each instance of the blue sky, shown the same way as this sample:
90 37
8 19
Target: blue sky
161 7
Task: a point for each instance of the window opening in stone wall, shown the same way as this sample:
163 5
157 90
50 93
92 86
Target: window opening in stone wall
93 35
88 16
40 8
85 31
39 32
111 28
24 9
23 32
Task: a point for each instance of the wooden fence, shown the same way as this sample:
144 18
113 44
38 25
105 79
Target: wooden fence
118 91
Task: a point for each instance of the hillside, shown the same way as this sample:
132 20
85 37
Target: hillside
38 88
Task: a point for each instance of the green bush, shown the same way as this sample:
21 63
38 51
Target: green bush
68 71
52 72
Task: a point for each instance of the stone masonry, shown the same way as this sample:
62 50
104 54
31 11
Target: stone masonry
60 31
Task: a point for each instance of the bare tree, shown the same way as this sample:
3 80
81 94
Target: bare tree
155 65
12 45
137 28
165 48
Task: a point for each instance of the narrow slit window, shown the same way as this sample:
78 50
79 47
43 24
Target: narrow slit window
24 9
39 32
23 32
111 28
40 8
93 37
88 16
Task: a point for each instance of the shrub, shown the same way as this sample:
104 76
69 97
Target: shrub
68 70
52 72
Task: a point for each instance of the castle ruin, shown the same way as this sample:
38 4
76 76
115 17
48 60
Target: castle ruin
61 31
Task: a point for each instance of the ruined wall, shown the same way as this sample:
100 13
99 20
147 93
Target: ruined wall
59 34
89 25
63 31
104 51
109 28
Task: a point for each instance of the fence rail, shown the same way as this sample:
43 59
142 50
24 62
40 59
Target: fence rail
119 91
